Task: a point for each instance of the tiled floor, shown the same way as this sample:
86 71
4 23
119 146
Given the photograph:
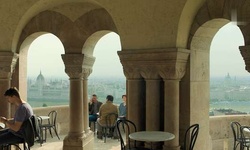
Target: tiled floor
55 144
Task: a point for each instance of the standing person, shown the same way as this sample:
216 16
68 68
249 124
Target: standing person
94 106
105 109
122 107
23 112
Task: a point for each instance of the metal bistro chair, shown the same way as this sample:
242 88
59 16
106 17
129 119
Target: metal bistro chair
245 137
190 137
109 126
51 124
235 126
132 126
128 127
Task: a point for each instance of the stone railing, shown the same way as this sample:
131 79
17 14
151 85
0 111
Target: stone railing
220 131
62 116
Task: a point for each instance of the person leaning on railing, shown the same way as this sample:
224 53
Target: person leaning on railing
13 131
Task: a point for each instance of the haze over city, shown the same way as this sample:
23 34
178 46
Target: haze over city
45 55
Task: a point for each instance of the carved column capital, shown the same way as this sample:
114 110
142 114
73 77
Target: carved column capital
245 52
78 65
7 64
167 63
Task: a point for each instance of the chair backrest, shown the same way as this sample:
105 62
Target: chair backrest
36 127
236 130
245 133
129 127
52 117
191 136
28 132
111 120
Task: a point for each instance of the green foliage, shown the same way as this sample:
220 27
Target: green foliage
45 105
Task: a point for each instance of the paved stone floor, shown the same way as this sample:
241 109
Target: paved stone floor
55 144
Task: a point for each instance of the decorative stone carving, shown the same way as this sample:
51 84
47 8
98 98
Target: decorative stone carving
245 52
155 63
7 64
78 65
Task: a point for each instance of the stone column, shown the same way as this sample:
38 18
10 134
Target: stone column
172 72
136 103
76 138
7 64
87 72
171 111
152 99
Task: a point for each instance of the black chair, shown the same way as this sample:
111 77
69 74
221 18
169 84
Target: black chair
190 137
108 128
49 125
29 134
128 126
236 128
245 137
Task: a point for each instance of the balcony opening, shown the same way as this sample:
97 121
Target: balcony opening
229 81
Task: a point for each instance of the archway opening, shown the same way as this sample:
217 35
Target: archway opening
107 76
47 83
229 92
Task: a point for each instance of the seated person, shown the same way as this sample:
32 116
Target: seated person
94 106
122 108
105 109
23 112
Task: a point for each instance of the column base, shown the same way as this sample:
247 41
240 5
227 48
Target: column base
171 147
84 142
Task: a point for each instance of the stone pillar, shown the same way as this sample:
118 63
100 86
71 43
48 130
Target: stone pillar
154 64
171 111
172 73
7 64
153 93
136 103
87 72
77 139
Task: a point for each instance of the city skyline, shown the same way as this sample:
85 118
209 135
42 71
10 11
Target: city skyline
225 56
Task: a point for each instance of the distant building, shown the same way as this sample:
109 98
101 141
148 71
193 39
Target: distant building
54 89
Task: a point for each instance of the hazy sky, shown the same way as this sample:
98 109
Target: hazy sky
45 55
225 55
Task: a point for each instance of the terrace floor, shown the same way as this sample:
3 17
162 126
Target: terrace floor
55 144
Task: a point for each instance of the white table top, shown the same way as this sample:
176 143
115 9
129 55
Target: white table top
2 125
152 136
44 117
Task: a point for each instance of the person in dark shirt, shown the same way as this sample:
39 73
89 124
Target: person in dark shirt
122 107
13 126
94 106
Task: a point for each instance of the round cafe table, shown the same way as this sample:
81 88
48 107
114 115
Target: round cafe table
151 136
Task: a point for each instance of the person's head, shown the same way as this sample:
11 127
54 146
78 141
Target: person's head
124 98
94 98
12 93
110 98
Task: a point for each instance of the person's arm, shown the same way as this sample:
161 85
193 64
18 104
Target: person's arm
11 124
15 126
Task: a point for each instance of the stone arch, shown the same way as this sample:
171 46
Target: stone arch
72 34
210 18
22 67
73 30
